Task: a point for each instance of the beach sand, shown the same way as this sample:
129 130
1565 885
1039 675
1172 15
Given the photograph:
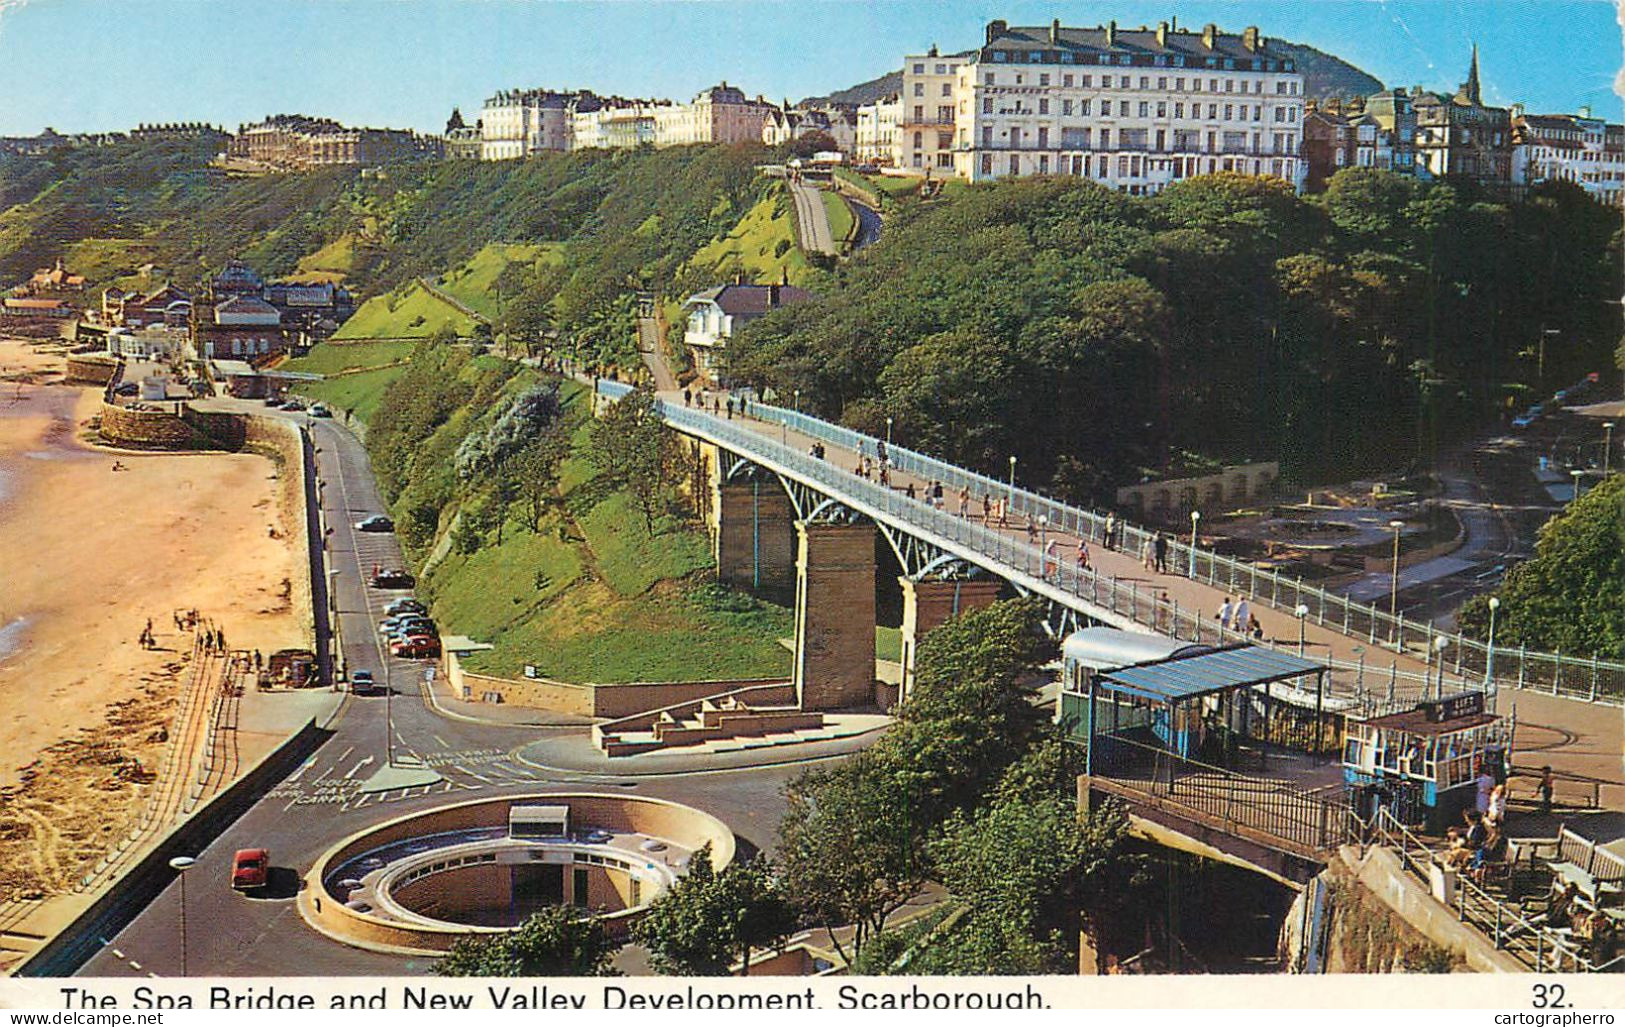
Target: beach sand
87 555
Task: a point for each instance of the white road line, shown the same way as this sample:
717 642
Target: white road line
134 965
357 768
301 770
117 953
443 743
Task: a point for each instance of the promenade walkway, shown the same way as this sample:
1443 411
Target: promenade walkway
1575 737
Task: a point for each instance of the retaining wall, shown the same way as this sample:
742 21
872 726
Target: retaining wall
68 950
611 701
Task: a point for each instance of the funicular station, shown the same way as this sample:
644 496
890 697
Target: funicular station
1231 752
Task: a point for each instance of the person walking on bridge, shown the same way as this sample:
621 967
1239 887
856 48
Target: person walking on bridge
964 501
1241 615
1162 553
1224 614
688 398
1110 540
987 508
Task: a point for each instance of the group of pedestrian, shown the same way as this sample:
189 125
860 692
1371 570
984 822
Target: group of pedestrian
1110 538
146 638
816 451
1237 616
1154 552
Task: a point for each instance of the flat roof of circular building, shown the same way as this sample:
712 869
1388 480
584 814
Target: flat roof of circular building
363 891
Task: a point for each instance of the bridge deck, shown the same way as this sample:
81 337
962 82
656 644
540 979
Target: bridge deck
1576 737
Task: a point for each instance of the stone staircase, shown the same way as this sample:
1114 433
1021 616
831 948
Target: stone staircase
715 719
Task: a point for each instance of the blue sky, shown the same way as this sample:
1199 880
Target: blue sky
96 65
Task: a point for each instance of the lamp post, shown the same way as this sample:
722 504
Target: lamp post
1043 544
1607 446
1196 517
1438 649
181 864
1393 588
1302 613
798 401
888 431
1576 473
1012 483
1489 654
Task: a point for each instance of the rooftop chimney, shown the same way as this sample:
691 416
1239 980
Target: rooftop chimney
1249 38
1162 33
1055 31
995 29
1111 33
1210 32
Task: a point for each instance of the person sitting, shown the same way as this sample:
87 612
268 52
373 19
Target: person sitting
1492 851
1561 905
1598 932
1457 854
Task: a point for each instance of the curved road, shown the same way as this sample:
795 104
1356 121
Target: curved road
812 218
324 800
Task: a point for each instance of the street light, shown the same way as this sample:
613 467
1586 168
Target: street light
1576 473
798 401
1012 482
1303 612
1438 648
1196 515
181 864
1043 540
888 432
1393 588
1607 446
1489 654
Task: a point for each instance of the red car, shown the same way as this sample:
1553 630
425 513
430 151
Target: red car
250 869
416 647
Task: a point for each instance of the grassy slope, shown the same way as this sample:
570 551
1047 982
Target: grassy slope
754 245
612 603
842 224
472 282
415 313
358 394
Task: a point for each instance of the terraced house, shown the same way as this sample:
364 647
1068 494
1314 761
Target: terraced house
1134 109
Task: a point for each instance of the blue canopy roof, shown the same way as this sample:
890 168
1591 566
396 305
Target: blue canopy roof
1219 671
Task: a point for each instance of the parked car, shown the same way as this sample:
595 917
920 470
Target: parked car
250 869
415 624
317 410
273 400
361 682
391 577
126 389
405 604
377 522
292 404
416 647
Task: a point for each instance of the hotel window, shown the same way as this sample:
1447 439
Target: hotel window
1213 85
919 89
1179 110
1229 112
1196 85
1229 85
1213 112
1043 138
1105 139
1122 167
1145 109
987 164
942 69
919 69
1122 108
919 140
1162 140
1066 81
989 79
1015 164
987 106
1162 108
919 113
1043 164
1043 106
1162 82
1085 82
1145 82
987 135
1043 80
1083 107
947 89
1066 108
1280 87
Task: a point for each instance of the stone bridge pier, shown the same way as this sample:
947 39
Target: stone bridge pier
929 603
835 615
753 535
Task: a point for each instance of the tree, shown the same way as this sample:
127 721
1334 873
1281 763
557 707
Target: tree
557 942
536 468
851 844
1570 596
709 919
630 446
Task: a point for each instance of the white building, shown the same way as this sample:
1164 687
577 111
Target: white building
721 114
1570 148
1133 109
928 113
617 124
789 124
876 136
715 314
521 122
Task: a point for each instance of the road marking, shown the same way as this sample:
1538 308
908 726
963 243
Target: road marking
301 770
443 743
356 768
134 965
117 953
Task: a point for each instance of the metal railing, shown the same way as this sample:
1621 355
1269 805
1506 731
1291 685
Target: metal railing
1590 679
1273 808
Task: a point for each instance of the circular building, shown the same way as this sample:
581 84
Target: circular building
419 883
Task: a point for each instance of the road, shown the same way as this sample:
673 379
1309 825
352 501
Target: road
326 799
868 224
812 219
654 357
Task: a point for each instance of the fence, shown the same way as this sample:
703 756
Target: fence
1590 679
1022 562
1276 809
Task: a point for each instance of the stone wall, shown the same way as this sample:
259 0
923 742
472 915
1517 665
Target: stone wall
91 370
147 429
610 701
282 438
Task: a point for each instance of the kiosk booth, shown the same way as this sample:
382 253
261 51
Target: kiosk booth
1421 764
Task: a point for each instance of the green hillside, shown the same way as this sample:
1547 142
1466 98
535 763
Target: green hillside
478 282
762 245
589 593
409 312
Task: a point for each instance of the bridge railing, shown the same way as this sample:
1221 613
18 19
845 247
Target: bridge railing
1056 576
1586 678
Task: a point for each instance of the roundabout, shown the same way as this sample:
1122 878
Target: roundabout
418 884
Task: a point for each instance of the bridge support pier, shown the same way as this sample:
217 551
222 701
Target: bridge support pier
835 615
753 535
928 604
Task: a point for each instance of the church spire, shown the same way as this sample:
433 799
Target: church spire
1470 89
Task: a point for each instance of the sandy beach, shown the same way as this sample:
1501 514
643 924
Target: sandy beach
87 554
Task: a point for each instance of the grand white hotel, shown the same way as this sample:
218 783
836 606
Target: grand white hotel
1134 109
